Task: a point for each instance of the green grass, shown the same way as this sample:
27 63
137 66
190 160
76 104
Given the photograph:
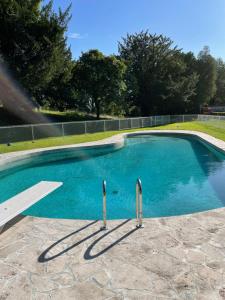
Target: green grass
214 128
7 119
66 116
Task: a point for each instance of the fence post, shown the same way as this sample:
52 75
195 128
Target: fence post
85 127
119 124
104 125
32 132
63 133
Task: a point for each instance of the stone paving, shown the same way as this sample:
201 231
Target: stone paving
171 258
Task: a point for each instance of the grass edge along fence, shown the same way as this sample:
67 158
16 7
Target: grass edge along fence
32 132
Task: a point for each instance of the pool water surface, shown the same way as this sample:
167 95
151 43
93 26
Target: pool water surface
179 174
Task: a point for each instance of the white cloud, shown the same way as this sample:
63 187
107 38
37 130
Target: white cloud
77 36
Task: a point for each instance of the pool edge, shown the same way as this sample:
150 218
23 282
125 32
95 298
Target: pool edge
117 141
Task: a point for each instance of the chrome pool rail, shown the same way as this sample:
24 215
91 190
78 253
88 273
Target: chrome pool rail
139 213
104 227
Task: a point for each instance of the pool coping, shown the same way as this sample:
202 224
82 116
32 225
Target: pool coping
116 141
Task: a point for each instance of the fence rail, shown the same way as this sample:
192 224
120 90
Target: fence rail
211 118
32 132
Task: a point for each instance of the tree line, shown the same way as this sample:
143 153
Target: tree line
150 75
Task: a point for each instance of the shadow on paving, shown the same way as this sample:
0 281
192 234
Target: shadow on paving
11 223
87 255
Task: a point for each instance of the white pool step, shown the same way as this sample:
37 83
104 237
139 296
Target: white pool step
22 201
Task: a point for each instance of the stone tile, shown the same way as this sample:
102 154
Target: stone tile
82 291
102 278
40 296
84 271
7 272
42 283
164 265
194 256
64 279
11 248
18 288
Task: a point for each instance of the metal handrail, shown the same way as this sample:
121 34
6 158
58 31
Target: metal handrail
139 213
104 227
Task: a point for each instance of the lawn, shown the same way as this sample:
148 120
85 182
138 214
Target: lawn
7 119
214 128
67 116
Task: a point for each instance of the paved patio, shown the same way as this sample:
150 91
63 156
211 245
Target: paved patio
171 258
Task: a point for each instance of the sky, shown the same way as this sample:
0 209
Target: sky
100 24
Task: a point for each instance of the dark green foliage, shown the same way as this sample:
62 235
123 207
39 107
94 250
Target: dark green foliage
99 81
219 98
159 81
206 68
33 45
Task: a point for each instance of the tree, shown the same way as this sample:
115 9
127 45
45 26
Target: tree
219 97
206 87
99 80
59 92
159 72
184 95
33 45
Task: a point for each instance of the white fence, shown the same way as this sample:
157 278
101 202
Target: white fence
210 118
12 134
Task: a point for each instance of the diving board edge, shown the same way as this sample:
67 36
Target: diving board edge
22 201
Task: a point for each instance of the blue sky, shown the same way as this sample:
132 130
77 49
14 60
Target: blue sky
191 24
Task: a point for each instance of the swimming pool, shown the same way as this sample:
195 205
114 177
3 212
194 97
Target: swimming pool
180 175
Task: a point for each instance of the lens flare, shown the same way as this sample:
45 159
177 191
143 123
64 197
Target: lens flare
16 102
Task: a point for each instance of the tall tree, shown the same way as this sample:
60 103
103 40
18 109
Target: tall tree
158 70
219 98
32 43
206 87
190 77
99 80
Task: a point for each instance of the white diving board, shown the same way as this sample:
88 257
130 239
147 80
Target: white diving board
22 201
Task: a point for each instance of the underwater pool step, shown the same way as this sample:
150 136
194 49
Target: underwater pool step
22 201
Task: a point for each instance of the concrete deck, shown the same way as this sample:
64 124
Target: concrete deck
171 258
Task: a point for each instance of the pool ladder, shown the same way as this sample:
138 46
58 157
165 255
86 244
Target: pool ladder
104 226
139 213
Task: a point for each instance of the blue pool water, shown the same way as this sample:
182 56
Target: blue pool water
179 174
